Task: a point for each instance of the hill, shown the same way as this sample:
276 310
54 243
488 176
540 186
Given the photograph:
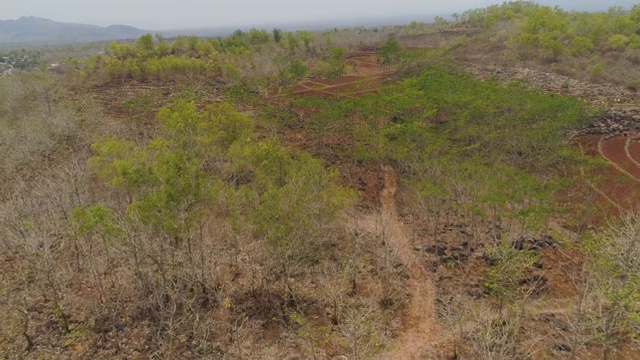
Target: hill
464 189
35 30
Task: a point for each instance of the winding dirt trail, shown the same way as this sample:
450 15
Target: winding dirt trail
621 176
632 148
421 333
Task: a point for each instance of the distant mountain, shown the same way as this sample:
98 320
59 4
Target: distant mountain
35 30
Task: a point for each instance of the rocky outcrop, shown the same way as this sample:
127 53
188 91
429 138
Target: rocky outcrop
615 122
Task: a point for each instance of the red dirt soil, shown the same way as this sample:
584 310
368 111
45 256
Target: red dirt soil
633 147
614 150
356 87
315 93
337 81
364 74
619 184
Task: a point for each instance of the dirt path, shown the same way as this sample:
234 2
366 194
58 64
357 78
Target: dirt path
629 147
421 332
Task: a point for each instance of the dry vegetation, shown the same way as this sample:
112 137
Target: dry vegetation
161 200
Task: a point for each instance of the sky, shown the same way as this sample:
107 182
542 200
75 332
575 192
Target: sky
183 14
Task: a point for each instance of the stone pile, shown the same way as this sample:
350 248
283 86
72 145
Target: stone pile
615 122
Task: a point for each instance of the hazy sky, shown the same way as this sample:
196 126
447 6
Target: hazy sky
167 14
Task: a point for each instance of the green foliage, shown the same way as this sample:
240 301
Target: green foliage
336 53
535 31
500 149
243 92
192 57
179 45
477 117
145 45
138 105
389 51
634 42
307 38
165 181
618 42
120 162
544 20
335 66
543 28
163 47
192 42
581 46
509 268
490 16
96 219
547 31
297 70
162 68
277 35
257 37
294 199
597 69
173 181
121 51
293 42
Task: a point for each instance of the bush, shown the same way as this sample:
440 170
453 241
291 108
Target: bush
389 51
297 70
581 46
618 42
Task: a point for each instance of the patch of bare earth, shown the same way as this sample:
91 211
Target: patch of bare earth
624 184
363 74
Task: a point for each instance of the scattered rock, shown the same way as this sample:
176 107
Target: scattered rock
533 243
438 250
562 347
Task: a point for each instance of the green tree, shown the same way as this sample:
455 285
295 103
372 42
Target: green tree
292 41
179 45
277 35
257 37
581 46
508 270
145 45
192 42
293 202
543 28
307 38
165 181
163 46
618 42
297 70
389 51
